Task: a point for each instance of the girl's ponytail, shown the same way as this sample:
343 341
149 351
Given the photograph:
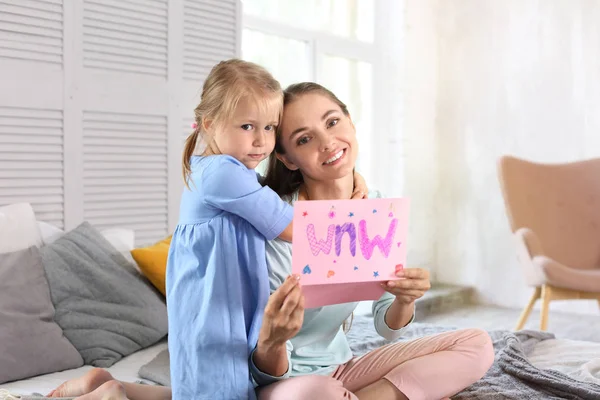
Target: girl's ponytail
188 151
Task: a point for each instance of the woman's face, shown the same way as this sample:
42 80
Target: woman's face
318 138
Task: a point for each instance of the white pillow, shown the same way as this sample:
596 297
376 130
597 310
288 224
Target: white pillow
120 238
123 240
18 228
49 232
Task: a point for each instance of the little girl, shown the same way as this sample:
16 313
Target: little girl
217 277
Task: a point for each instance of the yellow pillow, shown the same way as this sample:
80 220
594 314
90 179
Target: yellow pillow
152 261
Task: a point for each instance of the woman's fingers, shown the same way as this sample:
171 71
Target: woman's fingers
407 293
291 301
409 284
415 273
297 317
278 297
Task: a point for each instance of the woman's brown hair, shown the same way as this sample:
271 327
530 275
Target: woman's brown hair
278 177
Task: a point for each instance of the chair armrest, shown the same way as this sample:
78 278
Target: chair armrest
528 248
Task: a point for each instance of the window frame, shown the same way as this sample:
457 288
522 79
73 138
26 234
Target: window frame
385 54
319 43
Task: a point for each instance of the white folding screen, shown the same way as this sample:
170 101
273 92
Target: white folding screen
31 106
93 96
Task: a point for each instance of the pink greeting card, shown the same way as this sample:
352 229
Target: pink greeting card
344 249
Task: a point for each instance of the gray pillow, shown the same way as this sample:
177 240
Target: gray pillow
31 343
104 306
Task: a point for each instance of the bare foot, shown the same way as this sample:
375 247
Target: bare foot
111 390
87 383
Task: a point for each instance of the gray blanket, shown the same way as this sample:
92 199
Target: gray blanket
511 376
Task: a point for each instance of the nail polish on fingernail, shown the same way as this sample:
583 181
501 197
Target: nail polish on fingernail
391 284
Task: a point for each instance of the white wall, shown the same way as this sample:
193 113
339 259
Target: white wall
512 76
420 160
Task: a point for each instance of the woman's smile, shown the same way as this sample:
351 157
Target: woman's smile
335 158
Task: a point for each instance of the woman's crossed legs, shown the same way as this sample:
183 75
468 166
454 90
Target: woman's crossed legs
431 367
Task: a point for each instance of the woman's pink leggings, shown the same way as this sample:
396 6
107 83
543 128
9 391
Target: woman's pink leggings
432 367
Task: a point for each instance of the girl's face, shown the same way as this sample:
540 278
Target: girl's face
250 134
318 138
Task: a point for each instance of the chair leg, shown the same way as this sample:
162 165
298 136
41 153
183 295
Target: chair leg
546 297
527 310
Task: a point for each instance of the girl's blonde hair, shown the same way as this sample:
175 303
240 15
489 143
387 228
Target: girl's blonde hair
227 83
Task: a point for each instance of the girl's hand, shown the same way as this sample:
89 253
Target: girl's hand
283 315
360 187
359 194
412 287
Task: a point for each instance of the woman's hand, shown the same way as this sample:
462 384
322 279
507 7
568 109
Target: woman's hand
284 313
407 290
360 187
282 320
412 287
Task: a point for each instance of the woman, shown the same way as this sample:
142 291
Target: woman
303 354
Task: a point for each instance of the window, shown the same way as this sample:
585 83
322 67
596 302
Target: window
327 41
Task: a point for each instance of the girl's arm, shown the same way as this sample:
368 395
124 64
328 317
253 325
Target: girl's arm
360 192
287 233
226 184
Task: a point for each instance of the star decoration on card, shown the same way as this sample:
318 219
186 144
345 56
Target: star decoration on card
375 274
351 214
331 212
304 213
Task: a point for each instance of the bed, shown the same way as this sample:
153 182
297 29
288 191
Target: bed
575 359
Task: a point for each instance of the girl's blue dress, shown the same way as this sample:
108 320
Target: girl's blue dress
217 278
